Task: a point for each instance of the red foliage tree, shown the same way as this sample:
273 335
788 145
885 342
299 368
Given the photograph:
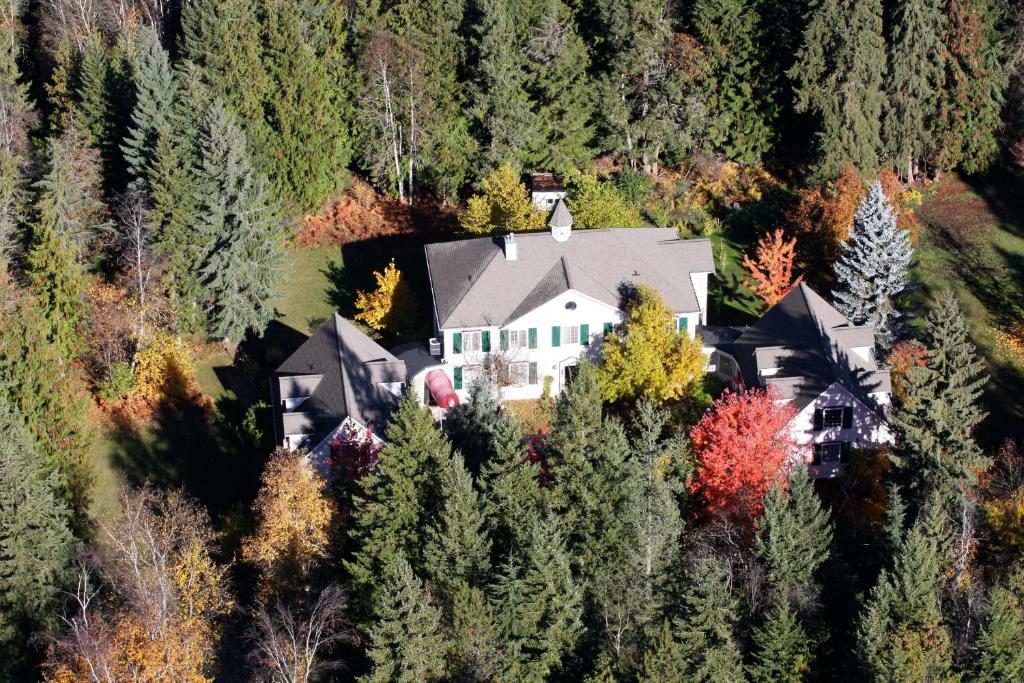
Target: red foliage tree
357 452
771 274
742 445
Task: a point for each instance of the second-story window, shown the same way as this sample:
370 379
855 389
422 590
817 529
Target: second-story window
518 339
570 334
832 418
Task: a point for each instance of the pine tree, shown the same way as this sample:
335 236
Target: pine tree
400 498
901 635
915 73
741 108
406 645
473 423
793 537
936 450
539 605
664 659
34 530
457 552
242 259
308 102
782 651
706 628
873 269
1001 641
510 487
154 96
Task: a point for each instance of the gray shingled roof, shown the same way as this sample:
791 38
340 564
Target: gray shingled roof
474 284
350 367
560 217
809 342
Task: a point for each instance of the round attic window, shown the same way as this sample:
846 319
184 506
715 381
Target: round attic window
570 306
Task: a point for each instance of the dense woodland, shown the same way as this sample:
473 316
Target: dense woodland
158 159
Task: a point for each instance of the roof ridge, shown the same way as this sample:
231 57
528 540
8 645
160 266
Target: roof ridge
565 270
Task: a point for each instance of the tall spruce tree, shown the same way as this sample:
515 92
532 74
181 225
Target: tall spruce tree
706 627
35 537
154 96
457 552
935 422
511 492
14 146
1001 641
401 497
782 648
93 110
913 80
901 635
59 285
539 605
838 77
406 644
793 538
873 269
241 262
473 423
742 106
663 659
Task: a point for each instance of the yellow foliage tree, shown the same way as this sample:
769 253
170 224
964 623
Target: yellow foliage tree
597 204
165 370
650 358
504 206
391 306
294 517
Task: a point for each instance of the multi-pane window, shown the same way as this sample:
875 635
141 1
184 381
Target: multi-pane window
830 452
832 418
471 341
518 339
519 374
570 334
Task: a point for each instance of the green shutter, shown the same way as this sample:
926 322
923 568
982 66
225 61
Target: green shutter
682 323
533 337
457 342
533 373
485 341
458 377
608 327
585 334
503 339
556 336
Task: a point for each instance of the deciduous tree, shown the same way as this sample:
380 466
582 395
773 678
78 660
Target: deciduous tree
502 206
390 306
771 275
598 204
741 445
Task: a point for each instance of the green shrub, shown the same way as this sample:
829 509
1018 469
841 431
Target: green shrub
119 380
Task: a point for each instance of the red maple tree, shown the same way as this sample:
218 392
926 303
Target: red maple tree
357 451
771 274
742 445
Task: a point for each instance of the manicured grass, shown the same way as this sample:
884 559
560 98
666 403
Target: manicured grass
972 241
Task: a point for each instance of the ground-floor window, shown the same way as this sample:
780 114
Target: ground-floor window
830 452
519 373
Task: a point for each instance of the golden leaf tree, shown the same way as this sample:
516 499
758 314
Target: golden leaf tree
770 276
391 306
294 516
650 358
149 598
503 206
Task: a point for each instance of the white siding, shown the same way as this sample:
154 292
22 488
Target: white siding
700 288
868 430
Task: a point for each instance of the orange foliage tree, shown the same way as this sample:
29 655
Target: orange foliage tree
905 355
771 275
154 615
741 444
823 217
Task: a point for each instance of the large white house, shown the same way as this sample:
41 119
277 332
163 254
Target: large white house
527 306
821 363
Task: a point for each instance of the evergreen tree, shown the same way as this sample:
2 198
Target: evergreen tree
706 627
58 283
663 660
1001 641
935 422
901 635
473 423
308 103
154 97
782 651
511 489
539 606
406 645
457 552
242 260
14 147
838 77
793 537
34 535
400 498
741 107
93 111
873 270
915 72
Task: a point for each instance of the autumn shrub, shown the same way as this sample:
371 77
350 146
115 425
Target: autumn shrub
164 372
1010 343
1005 518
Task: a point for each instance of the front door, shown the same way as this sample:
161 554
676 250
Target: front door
568 372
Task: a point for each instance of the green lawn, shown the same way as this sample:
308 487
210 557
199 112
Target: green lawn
972 240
